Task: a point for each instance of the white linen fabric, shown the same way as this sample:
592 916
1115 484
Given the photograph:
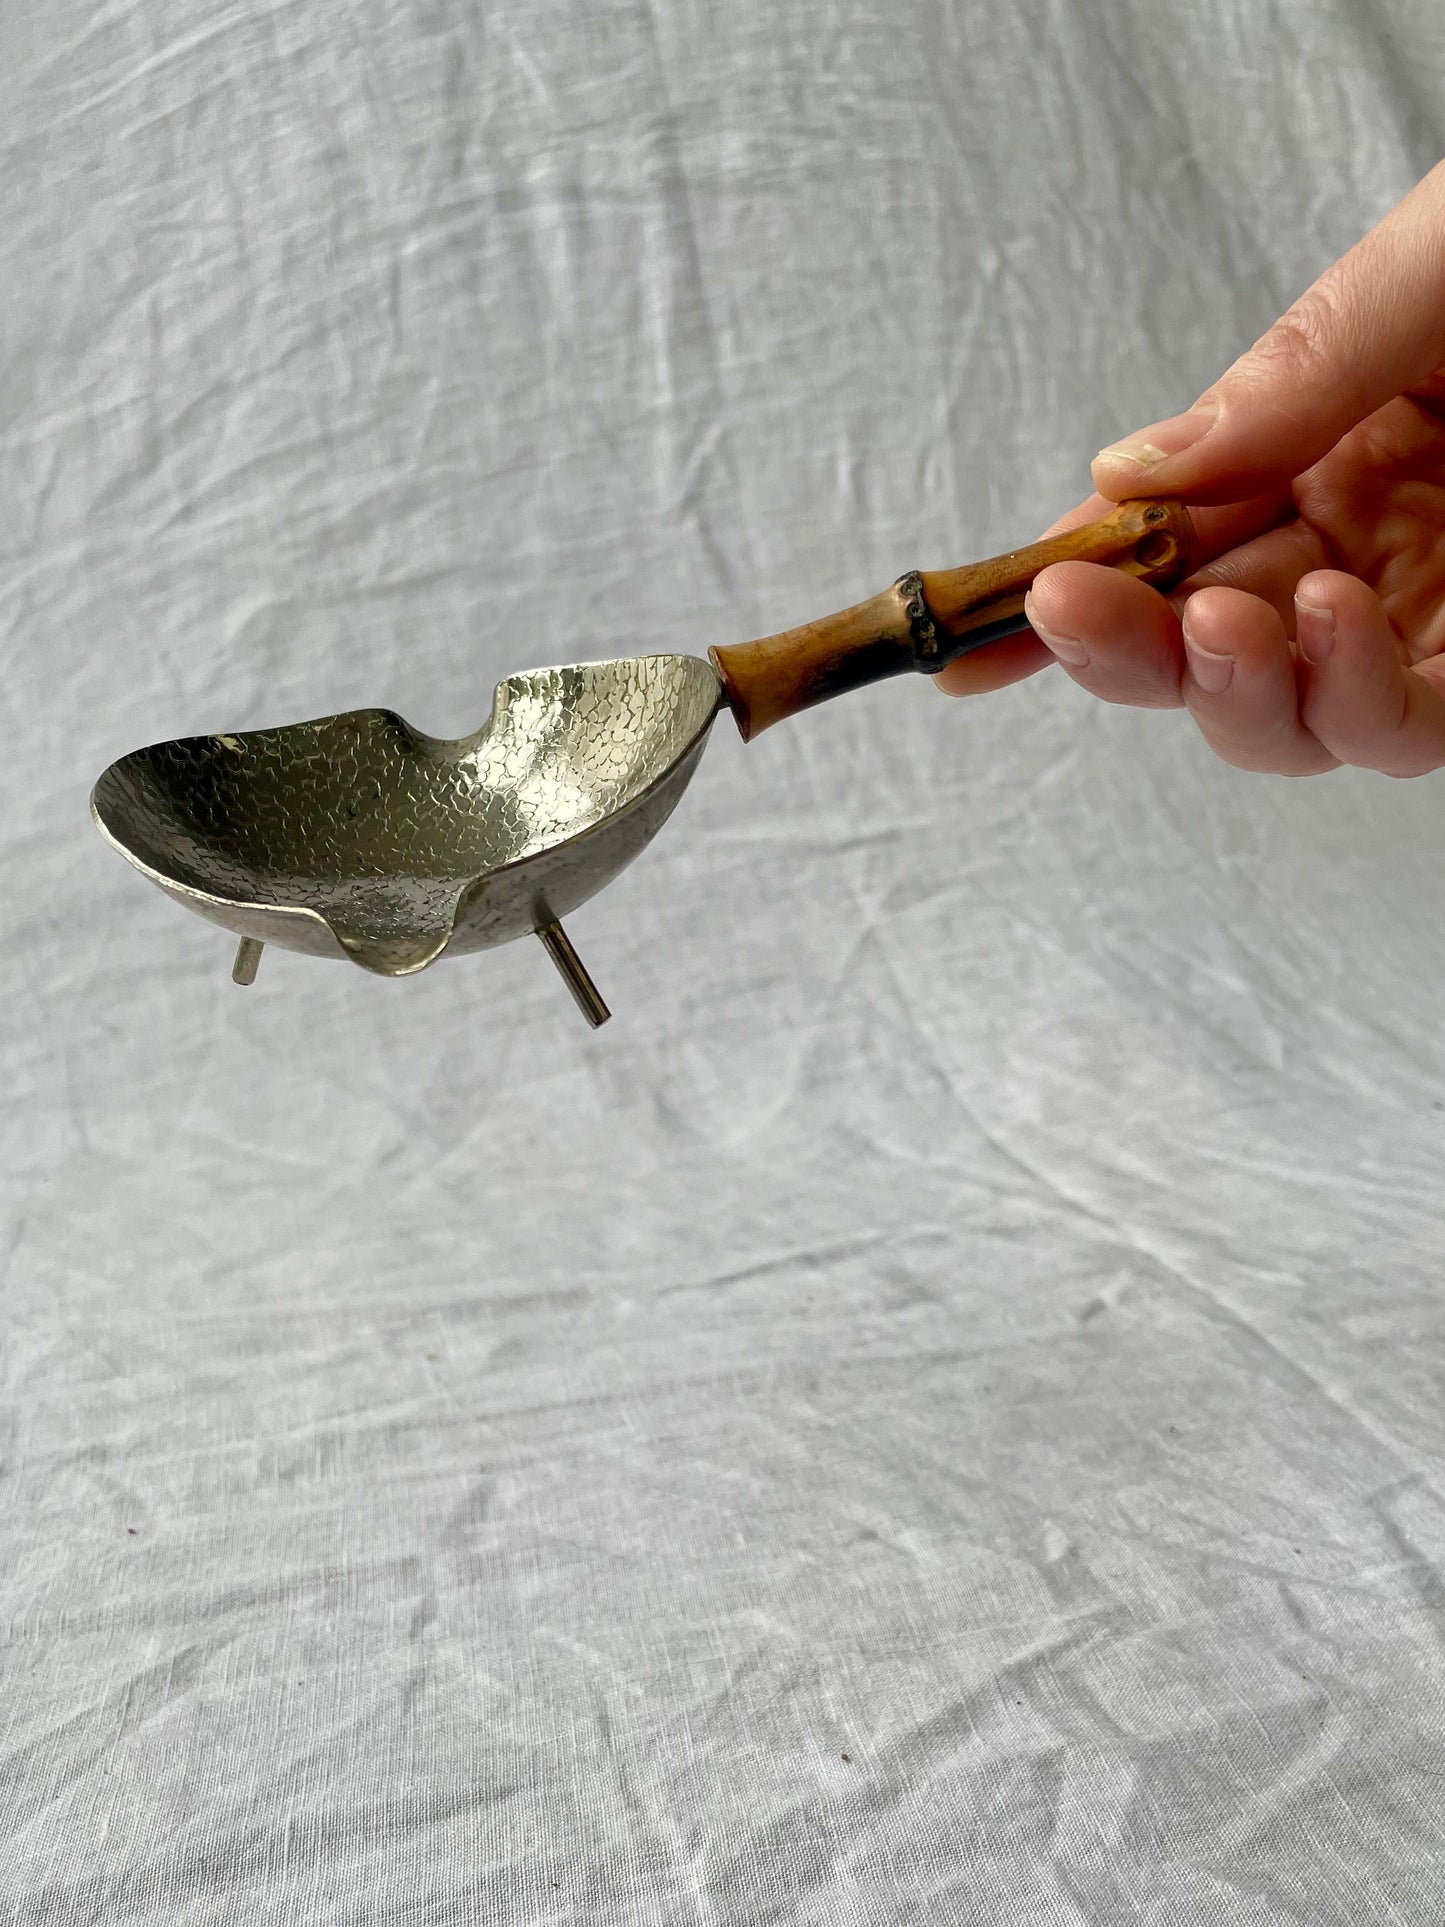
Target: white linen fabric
935 1413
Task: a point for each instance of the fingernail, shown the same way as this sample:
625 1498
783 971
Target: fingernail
1067 648
1314 630
1154 445
1211 672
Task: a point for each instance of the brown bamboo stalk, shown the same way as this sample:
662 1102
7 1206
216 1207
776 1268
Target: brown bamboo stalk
929 618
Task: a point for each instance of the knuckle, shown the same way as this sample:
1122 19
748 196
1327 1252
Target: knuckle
1307 349
1300 338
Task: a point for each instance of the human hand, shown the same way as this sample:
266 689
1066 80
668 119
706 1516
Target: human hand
1313 634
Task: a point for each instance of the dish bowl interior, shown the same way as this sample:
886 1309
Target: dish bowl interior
380 828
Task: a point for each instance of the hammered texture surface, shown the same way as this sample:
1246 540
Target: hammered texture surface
380 830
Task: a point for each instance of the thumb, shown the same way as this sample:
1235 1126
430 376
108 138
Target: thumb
1372 326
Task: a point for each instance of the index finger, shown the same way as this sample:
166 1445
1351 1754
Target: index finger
1370 328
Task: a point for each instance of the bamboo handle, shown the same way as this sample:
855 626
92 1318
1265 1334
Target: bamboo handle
928 619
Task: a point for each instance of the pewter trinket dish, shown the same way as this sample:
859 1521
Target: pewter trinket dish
357 837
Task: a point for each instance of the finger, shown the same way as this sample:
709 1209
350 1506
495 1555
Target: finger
1269 568
995 666
1357 696
1372 326
1239 685
1009 661
1116 637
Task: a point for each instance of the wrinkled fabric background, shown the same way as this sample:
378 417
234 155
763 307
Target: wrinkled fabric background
934 1414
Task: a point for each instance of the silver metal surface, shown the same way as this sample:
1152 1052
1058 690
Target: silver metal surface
357 836
248 961
574 974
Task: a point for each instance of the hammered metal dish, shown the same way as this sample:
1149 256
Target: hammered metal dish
359 837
